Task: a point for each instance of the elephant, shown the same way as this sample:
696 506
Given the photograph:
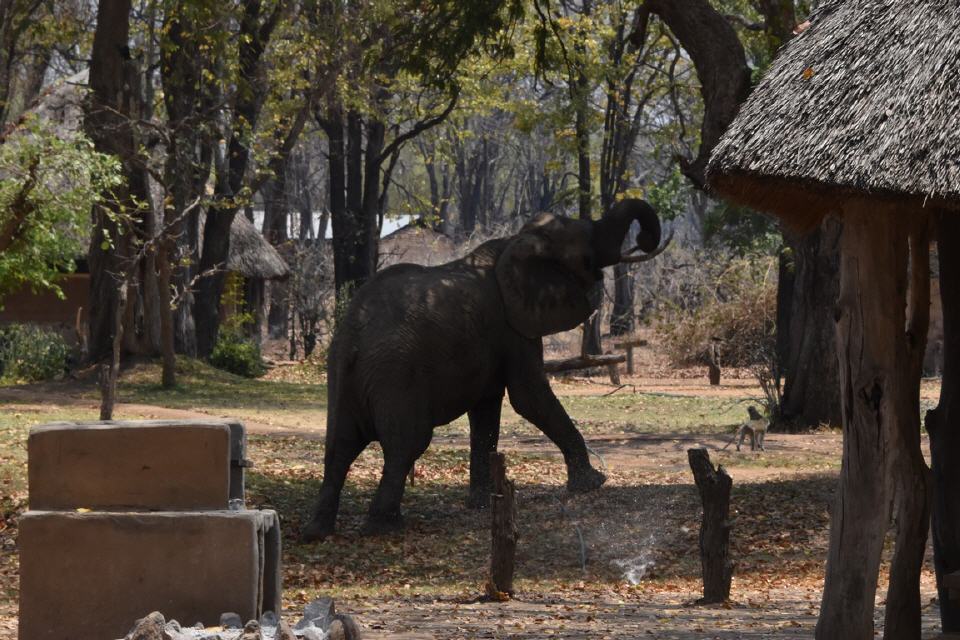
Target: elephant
420 346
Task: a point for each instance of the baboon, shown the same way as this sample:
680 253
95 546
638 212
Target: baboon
756 426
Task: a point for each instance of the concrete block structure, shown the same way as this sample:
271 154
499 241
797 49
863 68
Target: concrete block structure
151 465
132 517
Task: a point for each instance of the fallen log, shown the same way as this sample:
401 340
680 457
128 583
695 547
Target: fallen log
583 362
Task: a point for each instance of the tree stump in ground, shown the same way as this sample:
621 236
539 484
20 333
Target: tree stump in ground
503 530
613 371
714 486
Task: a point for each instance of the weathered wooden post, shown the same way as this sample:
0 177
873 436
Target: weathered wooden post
714 486
714 361
629 344
614 371
503 530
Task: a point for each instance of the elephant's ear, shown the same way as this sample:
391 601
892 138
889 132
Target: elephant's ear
540 296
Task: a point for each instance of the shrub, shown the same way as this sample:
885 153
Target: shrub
235 352
738 308
31 353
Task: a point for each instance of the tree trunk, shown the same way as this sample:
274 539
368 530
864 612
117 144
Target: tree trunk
354 259
911 476
714 486
275 217
213 260
721 65
621 318
255 30
108 121
874 372
167 343
811 394
110 373
590 345
943 425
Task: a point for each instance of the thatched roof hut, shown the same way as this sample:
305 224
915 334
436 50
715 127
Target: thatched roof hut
251 255
858 116
867 101
415 244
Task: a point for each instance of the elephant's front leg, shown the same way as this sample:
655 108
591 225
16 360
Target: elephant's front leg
484 435
532 397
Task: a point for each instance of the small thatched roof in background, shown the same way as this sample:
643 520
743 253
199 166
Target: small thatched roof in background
865 101
251 255
418 245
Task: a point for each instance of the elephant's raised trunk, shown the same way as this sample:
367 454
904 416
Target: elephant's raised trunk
608 232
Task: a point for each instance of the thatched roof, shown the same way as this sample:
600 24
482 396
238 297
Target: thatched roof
417 245
251 255
865 101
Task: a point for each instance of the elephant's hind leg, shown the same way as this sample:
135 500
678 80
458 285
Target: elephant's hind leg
399 454
343 447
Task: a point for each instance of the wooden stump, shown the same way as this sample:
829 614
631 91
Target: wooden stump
714 486
714 363
503 530
613 370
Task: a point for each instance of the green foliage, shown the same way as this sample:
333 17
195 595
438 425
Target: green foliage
29 353
670 196
235 352
741 230
48 187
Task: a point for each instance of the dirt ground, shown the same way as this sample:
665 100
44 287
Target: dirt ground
644 519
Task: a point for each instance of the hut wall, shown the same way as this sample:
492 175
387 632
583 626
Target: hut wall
25 306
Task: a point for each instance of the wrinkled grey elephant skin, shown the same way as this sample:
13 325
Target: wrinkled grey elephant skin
420 346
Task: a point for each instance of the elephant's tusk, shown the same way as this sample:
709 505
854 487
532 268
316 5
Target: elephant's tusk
647 256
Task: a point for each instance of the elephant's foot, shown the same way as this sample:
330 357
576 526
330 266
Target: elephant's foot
479 498
584 479
382 524
317 529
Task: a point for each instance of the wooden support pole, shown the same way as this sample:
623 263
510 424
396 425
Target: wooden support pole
503 530
943 425
874 367
912 482
714 486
